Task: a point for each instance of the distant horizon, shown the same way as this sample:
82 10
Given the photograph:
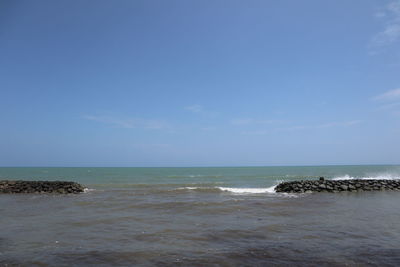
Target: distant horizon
238 166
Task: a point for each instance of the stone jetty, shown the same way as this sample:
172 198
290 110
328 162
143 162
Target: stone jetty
56 187
334 186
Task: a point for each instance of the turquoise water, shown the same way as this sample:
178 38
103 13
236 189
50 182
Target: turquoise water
227 176
199 217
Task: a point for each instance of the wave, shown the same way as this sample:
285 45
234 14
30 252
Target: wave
234 190
385 176
87 190
248 190
267 191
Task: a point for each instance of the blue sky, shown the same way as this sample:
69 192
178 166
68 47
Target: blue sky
199 83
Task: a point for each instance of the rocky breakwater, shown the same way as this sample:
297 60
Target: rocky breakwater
335 186
57 187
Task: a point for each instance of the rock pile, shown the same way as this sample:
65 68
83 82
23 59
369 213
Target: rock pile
335 186
58 187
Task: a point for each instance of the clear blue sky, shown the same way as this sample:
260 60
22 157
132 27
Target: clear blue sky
199 83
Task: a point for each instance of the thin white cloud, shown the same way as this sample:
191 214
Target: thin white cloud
334 124
390 16
303 127
128 122
389 35
389 101
208 129
195 108
394 7
380 14
255 132
249 121
199 109
321 126
152 146
293 128
390 95
389 106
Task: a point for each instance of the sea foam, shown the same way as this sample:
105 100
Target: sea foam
234 190
385 176
87 190
248 190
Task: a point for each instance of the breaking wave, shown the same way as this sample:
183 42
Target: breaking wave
385 176
87 190
234 190
248 190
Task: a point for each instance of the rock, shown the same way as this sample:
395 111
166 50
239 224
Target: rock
40 187
344 187
337 186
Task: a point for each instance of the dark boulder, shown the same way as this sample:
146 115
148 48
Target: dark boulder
334 186
58 187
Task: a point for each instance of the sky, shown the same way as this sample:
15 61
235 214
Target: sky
199 83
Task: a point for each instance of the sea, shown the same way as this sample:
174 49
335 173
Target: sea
208 216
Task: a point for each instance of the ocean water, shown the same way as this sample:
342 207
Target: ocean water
199 217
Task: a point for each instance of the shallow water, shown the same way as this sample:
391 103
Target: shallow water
199 217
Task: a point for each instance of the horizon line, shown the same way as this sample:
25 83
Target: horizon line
222 166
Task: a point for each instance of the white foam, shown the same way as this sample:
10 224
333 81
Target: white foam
189 188
87 190
245 191
345 177
248 190
385 176
235 190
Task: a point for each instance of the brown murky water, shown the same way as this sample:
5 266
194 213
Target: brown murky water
171 224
